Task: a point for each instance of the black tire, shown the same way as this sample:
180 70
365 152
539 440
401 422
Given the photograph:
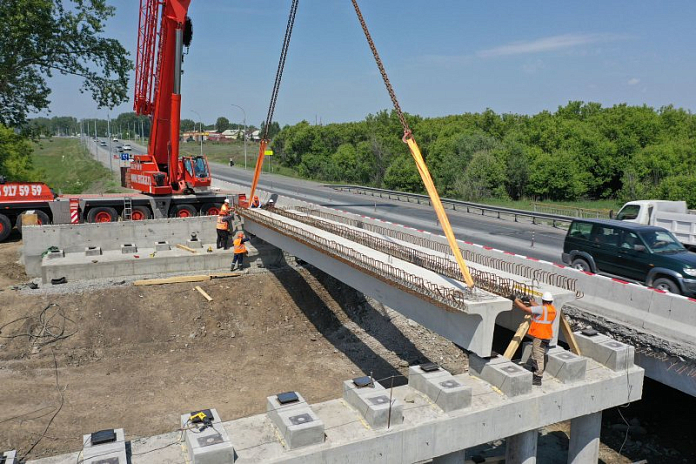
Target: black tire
581 265
666 285
43 219
102 214
140 213
5 227
210 209
182 211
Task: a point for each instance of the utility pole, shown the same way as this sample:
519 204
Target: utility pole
108 134
244 133
200 129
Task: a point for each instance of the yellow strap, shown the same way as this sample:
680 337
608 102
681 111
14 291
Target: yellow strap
439 209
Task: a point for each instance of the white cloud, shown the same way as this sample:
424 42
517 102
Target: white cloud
633 81
546 44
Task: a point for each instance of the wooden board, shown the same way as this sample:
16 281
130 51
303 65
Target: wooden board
202 292
569 336
171 280
184 247
224 275
518 337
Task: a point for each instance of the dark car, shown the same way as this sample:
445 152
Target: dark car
648 254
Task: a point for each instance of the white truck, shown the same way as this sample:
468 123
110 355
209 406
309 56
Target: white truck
671 215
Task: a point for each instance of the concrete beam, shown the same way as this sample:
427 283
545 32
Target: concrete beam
471 329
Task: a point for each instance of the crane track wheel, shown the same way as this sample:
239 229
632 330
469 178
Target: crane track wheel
40 216
183 211
102 214
210 209
140 213
5 227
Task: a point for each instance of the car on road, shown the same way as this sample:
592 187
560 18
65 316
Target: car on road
127 147
102 143
647 254
114 139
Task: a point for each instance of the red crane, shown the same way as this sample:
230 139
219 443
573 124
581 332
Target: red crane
163 30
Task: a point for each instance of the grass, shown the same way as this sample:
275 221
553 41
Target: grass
222 152
67 167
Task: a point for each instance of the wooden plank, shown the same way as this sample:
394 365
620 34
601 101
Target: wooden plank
171 280
518 337
569 336
224 275
202 292
184 247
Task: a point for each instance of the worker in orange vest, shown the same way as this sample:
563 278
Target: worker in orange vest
541 331
239 251
223 231
225 209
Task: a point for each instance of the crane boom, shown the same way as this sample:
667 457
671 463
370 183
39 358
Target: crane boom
161 30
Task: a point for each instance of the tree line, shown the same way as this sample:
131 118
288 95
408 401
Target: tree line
580 151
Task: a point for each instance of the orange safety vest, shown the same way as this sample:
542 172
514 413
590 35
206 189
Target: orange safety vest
221 223
542 324
239 246
225 210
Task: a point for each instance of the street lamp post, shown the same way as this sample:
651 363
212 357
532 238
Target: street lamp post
200 129
108 134
245 135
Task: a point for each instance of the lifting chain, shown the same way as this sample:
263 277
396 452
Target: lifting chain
385 78
281 66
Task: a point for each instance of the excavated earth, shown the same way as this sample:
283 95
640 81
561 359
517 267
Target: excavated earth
87 358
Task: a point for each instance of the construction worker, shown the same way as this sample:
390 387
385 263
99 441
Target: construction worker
239 251
541 331
255 203
223 231
225 209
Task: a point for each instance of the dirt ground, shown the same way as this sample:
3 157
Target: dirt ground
137 357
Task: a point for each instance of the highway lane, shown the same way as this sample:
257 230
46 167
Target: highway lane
503 234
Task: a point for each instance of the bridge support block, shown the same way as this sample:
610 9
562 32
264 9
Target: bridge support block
113 453
565 366
441 387
522 448
10 457
297 423
373 403
508 377
207 444
584 439
611 353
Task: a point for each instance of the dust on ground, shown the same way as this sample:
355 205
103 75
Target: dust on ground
137 357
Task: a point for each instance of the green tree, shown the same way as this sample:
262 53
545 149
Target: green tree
222 124
15 156
41 37
188 125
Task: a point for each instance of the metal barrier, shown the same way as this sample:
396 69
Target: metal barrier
528 272
456 204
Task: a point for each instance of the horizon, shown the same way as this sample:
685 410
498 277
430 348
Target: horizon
508 57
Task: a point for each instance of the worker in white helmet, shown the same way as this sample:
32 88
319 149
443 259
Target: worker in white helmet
541 331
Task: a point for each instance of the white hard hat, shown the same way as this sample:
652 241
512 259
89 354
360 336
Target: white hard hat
227 200
547 297
271 200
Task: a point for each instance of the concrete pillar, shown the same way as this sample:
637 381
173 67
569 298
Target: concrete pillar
584 439
522 448
457 457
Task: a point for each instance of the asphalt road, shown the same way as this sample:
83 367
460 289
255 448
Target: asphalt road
503 234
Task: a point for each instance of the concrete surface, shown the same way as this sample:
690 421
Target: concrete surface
522 448
441 387
374 404
584 439
10 456
207 444
72 238
471 329
426 432
296 422
560 363
508 377
105 453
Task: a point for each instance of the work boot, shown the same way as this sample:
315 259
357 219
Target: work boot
536 380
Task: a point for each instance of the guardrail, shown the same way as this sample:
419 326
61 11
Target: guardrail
456 204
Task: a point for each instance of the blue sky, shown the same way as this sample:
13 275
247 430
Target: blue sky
443 57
